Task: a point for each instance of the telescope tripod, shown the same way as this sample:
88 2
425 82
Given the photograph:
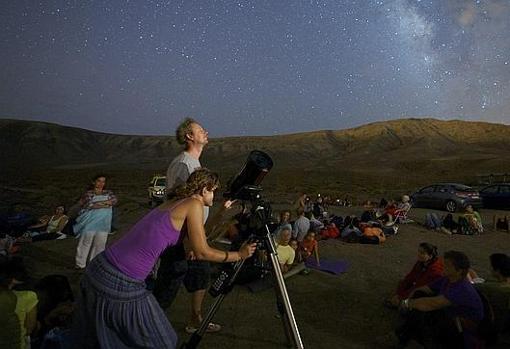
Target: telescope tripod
224 284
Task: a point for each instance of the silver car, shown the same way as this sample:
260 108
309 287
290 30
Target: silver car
446 196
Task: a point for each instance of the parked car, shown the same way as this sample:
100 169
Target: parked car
157 190
446 196
496 196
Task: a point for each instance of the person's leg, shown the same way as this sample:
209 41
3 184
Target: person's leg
170 274
45 236
197 298
83 248
436 221
98 243
196 282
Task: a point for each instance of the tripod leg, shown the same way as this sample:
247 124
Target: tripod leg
221 287
283 301
196 337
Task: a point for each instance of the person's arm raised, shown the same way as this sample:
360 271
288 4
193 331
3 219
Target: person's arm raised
198 241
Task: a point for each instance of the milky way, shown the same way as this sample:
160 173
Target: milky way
253 67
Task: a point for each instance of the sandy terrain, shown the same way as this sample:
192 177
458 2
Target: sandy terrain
343 311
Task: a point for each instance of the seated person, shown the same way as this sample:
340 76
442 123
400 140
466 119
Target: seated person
369 213
301 225
497 291
428 268
404 205
295 246
49 227
446 312
284 222
309 246
12 273
315 224
470 222
318 208
285 252
330 231
55 296
390 208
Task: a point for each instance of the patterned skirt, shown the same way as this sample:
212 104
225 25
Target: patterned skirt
116 311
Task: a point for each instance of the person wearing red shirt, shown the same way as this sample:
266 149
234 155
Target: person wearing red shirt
427 269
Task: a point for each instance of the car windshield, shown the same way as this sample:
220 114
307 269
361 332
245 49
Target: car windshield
160 182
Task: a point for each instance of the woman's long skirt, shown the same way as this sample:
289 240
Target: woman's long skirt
115 311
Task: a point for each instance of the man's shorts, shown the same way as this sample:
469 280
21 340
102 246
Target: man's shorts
198 276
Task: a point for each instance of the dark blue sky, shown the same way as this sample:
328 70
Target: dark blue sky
253 67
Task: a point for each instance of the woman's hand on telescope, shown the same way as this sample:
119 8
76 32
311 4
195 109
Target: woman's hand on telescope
247 250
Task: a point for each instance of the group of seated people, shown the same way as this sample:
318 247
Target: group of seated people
33 315
469 223
445 305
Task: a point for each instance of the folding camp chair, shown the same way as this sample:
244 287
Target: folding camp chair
401 216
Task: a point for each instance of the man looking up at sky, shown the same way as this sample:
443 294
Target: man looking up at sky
175 266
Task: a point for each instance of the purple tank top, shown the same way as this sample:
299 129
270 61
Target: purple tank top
136 252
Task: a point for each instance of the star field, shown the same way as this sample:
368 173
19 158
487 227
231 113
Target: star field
253 67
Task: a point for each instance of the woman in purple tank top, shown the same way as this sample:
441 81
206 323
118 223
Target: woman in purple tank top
115 309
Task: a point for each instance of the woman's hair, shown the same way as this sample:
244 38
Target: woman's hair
500 262
430 249
459 260
95 178
197 181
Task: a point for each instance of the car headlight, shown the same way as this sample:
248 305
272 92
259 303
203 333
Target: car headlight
160 192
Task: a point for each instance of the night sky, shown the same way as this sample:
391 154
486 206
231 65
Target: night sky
253 67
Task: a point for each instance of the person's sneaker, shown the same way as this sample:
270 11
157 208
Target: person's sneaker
61 236
211 328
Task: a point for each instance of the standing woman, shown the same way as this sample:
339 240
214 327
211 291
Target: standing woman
94 222
115 308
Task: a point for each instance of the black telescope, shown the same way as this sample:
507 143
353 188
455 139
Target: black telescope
246 184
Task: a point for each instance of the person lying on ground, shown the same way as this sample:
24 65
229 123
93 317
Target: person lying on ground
372 235
351 231
115 309
428 268
48 227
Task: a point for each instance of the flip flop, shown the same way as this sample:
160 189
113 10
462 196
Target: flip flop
211 328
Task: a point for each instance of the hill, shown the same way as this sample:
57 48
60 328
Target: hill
372 159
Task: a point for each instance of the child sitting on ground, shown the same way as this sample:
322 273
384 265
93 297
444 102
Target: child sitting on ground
309 246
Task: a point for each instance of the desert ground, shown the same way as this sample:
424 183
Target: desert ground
332 311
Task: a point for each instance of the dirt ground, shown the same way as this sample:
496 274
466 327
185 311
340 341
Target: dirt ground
344 311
